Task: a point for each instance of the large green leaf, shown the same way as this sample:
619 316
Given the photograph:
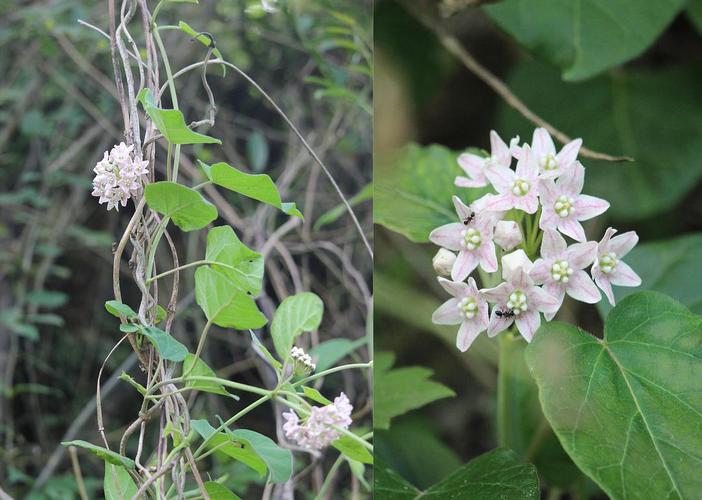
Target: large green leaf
296 314
118 484
223 303
240 264
652 116
217 491
413 190
628 409
224 444
352 449
117 309
171 123
107 455
400 390
188 209
497 474
201 369
167 346
670 266
257 186
584 38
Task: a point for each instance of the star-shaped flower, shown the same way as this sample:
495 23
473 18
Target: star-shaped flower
552 164
516 189
471 238
608 269
519 301
563 207
467 308
475 166
560 270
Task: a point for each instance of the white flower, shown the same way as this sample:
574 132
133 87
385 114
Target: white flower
303 364
118 176
552 164
507 234
608 268
322 426
443 262
513 261
467 308
516 188
475 166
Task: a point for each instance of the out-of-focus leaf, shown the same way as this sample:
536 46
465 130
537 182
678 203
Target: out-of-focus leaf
257 150
584 38
47 299
694 12
627 408
217 491
327 353
352 449
107 455
652 116
188 209
203 39
296 314
331 215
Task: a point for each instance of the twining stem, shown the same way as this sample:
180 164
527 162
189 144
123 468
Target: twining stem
332 370
154 244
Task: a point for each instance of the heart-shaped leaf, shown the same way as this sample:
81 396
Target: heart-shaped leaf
168 347
188 209
296 314
257 186
171 123
107 455
627 408
240 264
226 446
223 303
116 308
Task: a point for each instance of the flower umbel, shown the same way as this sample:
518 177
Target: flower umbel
302 362
118 176
322 425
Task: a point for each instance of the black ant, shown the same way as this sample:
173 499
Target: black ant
505 314
468 219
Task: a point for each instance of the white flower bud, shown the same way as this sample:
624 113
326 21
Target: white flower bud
443 262
513 261
507 234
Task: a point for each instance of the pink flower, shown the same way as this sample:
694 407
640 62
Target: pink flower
563 207
471 238
507 234
552 165
560 270
467 308
518 300
608 269
515 189
321 427
475 166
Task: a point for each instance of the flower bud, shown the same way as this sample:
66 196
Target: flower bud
513 261
443 262
507 234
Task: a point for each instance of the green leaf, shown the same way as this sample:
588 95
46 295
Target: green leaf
130 380
218 492
202 370
495 474
171 123
670 266
413 190
271 359
278 460
585 38
203 39
296 314
332 215
188 209
400 390
107 455
694 12
257 150
315 395
168 347
352 449
47 299
118 484
223 303
244 267
652 116
259 187
328 353
117 309
225 446
627 409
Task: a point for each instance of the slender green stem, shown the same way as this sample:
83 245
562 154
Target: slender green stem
200 347
217 380
332 370
201 185
186 266
154 244
330 477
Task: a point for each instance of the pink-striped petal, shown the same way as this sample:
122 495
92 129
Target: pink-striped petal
603 245
462 210
483 314
527 324
553 244
548 192
603 282
470 183
571 181
527 166
499 149
581 288
542 144
467 333
540 272
472 287
472 165
447 313
581 255
557 291
465 263
623 243
500 202
498 294
447 236
587 207
500 177
455 288
568 154
529 203
624 275
543 301
488 258
498 324
549 219
571 227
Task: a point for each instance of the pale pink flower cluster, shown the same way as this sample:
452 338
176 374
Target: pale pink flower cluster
118 176
321 427
544 182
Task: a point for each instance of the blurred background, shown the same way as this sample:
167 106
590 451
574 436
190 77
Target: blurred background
58 114
626 80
